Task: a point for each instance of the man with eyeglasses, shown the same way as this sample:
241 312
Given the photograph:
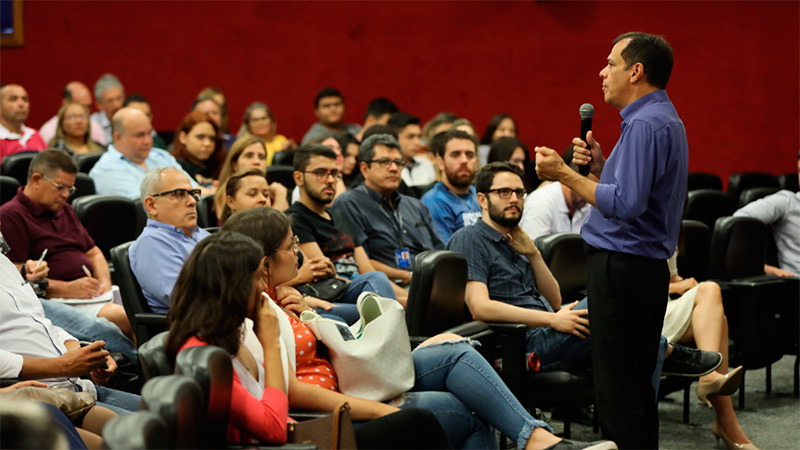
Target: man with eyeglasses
170 235
39 219
392 227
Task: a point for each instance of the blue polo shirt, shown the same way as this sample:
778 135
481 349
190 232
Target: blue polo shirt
492 261
157 257
451 212
642 188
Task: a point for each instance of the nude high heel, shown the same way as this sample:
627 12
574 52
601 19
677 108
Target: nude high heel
724 385
716 430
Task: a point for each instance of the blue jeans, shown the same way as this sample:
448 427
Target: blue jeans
118 401
465 393
345 309
86 327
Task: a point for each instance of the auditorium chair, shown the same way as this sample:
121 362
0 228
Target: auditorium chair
109 219
753 194
140 430
740 182
707 205
205 212
694 243
153 358
141 216
16 166
8 188
178 400
283 158
789 182
283 175
84 185
564 255
703 180
145 323
87 160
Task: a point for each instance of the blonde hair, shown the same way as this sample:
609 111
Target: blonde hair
62 113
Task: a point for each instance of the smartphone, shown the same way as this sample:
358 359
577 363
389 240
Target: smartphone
85 343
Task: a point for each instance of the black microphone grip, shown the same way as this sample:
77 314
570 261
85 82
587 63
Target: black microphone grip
586 126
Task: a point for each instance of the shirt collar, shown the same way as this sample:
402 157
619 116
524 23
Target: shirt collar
658 96
489 232
27 132
171 228
394 197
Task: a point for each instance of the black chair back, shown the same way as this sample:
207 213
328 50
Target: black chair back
140 430
564 255
205 212
283 158
753 194
8 188
87 161
789 182
702 180
179 401
436 295
16 166
281 174
708 205
141 216
109 219
211 368
740 182
694 243
153 359
738 248
84 185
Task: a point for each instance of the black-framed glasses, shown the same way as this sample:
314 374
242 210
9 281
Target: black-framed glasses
180 194
384 163
505 193
322 174
60 187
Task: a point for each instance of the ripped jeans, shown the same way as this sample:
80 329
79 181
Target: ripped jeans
466 395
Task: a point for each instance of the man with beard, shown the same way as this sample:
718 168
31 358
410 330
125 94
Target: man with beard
325 235
392 227
452 201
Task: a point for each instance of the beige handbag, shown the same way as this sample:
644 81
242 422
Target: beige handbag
74 404
333 431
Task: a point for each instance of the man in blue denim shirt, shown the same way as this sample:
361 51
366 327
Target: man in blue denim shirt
630 232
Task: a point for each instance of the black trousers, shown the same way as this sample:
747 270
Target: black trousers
627 301
411 428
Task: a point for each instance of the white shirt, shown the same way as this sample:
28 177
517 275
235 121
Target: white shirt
781 211
546 212
27 133
421 172
25 331
101 122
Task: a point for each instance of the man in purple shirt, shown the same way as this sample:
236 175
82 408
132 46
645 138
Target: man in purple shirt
630 232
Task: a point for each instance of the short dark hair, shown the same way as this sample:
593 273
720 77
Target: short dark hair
379 106
400 120
303 155
366 152
440 140
503 148
567 157
135 98
327 92
654 52
49 161
494 122
379 129
485 177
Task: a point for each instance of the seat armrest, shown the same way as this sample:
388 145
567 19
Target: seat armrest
6 382
151 319
469 329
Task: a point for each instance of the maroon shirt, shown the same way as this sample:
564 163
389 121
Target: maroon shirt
29 229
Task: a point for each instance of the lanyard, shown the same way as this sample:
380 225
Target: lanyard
397 220
464 202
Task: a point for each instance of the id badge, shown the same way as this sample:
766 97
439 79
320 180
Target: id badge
403 258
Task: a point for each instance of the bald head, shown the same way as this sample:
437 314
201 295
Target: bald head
75 91
132 138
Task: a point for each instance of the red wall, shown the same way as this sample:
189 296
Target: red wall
735 81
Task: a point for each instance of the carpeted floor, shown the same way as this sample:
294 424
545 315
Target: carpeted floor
771 421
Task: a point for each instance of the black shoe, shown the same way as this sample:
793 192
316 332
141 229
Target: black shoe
583 416
566 444
690 362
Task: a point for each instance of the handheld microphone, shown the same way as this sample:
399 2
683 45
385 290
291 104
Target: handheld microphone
586 111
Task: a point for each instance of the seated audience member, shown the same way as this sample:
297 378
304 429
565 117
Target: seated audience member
39 219
326 235
15 137
31 347
329 109
245 189
417 170
109 95
73 131
514 151
198 148
216 93
333 143
139 101
438 124
393 228
554 208
170 234
500 125
378 112
453 381
259 121
465 126
349 145
121 169
508 281
781 211
452 201
74 92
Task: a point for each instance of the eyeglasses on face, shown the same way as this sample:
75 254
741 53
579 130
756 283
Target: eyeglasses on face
180 194
60 187
294 246
505 193
322 174
384 163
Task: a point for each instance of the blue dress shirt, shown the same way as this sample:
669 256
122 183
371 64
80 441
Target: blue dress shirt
451 212
157 257
642 188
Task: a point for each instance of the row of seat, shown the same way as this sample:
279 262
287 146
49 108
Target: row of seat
740 182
